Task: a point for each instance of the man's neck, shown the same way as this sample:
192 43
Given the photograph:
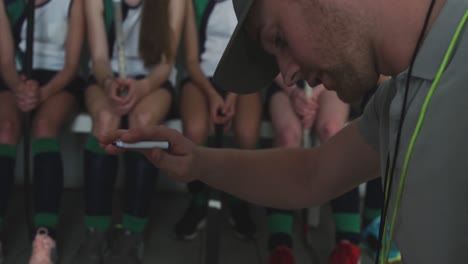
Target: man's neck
399 24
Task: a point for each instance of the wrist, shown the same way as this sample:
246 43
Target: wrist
106 81
212 95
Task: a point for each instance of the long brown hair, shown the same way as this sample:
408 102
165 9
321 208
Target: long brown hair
155 32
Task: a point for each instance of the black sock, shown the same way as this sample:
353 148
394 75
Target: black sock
373 201
99 180
7 177
199 192
48 181
140 183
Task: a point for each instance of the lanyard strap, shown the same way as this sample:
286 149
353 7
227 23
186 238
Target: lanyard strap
386 245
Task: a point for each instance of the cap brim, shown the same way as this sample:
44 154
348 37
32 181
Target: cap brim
244 67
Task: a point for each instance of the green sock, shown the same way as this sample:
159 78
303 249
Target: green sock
44 145
348 227
280 223
7 151
347 222
98 222
45 220
92 145
134 224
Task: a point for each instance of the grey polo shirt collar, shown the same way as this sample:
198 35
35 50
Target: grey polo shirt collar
438 40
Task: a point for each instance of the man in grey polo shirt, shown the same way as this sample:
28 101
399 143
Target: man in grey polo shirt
346 45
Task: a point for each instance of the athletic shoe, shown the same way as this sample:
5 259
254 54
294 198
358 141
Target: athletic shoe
371 242
44 249
193 220
241 220
281 255
125 248
93 247
345 253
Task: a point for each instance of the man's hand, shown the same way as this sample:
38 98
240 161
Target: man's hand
179 161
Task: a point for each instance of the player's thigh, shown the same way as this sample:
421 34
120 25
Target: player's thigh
195 113
152 109
247 119
53 113
285 122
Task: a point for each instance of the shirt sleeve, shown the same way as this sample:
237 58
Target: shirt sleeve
371 121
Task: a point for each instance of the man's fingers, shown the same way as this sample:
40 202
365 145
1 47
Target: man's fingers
175 166
151 133
112 136
158 133
111 149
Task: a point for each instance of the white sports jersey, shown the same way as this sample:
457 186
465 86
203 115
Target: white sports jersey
131 35
221 24
50 35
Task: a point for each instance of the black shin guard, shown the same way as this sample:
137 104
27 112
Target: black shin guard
140 182
99 180
7 167
48 182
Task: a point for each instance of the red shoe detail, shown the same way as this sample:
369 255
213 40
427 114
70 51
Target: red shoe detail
282 255
345 253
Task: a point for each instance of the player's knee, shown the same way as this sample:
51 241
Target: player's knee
247 138
104 121
45 127
327 130
141 119
9 131
196 132
289 137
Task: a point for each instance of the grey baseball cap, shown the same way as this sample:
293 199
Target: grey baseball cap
244 67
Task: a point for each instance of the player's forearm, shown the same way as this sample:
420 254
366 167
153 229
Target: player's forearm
158 76
10 76
278 178
61 80
7 52
198 77
102 71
